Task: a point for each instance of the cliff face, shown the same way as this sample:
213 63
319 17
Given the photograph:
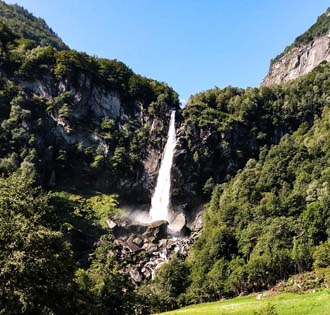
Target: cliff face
80 122
299 61
81 130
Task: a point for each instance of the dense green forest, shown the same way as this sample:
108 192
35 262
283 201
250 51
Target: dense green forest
257 158
270 221
231 125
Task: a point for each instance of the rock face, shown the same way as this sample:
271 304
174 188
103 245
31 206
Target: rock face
299 61
90 103
178 226
156 231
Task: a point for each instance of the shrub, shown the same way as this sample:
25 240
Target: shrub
321 255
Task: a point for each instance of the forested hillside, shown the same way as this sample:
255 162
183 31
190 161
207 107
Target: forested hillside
75 120
224 128
271 219
22 22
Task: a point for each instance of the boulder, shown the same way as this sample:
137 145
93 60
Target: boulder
138 241
135 275
136 228
156 231
111 224
178 225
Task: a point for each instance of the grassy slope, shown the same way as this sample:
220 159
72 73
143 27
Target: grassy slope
285 304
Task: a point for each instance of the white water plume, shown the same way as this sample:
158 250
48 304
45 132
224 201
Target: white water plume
160 201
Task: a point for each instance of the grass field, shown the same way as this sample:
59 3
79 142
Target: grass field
317 303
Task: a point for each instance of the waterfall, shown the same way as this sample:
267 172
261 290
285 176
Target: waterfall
160 201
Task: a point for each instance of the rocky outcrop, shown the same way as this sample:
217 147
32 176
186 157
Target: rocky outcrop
179 225
146 247
298 61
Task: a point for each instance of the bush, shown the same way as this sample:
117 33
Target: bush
321 255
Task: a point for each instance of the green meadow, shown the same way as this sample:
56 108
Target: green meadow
317 303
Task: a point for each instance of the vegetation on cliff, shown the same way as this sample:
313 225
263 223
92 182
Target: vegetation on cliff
270 221
224 128
49 120
319 28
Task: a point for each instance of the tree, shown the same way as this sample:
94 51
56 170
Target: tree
104 288
165 292
36 267
321 255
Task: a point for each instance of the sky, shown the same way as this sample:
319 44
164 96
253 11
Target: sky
193 45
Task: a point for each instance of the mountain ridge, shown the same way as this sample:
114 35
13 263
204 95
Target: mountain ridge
24 23
303 55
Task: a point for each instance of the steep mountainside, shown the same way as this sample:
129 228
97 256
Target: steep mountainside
79 121
22 22
77 134
270 221
223 128
307 52
264 155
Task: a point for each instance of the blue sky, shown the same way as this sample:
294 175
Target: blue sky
192 45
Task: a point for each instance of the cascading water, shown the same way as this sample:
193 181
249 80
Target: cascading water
160 201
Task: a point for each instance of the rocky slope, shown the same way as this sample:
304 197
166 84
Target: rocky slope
91 105
299 61
80 122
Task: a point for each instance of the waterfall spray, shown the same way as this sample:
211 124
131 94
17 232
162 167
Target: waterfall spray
160 201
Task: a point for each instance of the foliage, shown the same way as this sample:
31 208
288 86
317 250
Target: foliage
36 262
321 255
104 288
226 127
263 225
165 291
26 25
